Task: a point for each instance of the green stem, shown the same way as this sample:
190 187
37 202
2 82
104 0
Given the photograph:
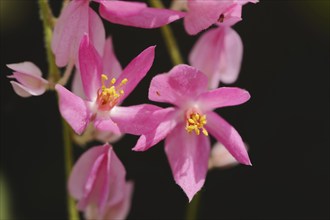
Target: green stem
54 75
67 139
192 208
169 38
48 24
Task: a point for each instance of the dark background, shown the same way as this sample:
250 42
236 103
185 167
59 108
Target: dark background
286 122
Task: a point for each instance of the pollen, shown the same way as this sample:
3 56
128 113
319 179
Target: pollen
195 123
108 96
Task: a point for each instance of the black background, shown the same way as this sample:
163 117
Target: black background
286 122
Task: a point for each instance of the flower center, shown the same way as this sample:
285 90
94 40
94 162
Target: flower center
195 122
108 97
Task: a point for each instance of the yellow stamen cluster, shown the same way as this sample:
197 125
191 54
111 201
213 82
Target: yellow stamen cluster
196 123
107 97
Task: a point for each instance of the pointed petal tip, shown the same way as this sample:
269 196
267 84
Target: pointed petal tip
84 40
153 47
191 195
248 95
9 65
86 36
246 162
137 148
140 145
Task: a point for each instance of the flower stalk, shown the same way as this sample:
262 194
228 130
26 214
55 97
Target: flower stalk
67 140
192 208
171 45
47 18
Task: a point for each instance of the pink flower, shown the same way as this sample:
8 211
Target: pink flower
202 14
104 93
187 125
110 65
218 53
98 183
29 79
76 19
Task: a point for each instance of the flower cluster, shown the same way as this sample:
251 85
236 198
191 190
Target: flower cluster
93 105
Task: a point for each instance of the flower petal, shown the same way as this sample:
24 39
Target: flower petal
75 20
77 87
121 209
222 97
207 54
34 82
116 177
96 31
137 14
202 14
26 67
106 124
188 156
231 15
138 119
106 136
29 77
20 89
101 182
90 68
232 54
82 170
68 31
218 53
182 84
228 136
167 122
242 2
28 85
116 211
136 70
111 65
221 158
73 109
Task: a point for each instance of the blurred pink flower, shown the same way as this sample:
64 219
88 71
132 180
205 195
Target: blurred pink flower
97 181
104 94
187 149
29 79
218 53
